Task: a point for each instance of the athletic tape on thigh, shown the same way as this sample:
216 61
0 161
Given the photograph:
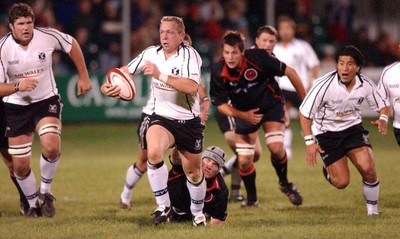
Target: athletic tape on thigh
50 128
245 149
19 151
273 137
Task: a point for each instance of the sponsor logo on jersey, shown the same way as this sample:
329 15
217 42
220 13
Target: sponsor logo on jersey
29 73
53 108
336 102
175 71
393 86
42 56
14 62
250 74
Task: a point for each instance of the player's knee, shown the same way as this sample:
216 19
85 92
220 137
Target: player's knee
155 156
51 151
340 183
194 176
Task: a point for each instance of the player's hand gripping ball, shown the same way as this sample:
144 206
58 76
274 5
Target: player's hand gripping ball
116 76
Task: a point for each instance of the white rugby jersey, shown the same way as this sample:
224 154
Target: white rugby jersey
389 87
169 102
333 108
300 56
150 104
35 62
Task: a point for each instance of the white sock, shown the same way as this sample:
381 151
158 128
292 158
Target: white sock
371 195
197 195
227 168
236 180
48 169
28 186
158 178
288 142
133 175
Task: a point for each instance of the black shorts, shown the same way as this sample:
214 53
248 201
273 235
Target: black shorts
188 134
276 114
225 123
337 144
22 119
3 138
292 97
397 135
142 130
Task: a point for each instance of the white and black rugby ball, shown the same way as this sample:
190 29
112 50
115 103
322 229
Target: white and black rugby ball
116 76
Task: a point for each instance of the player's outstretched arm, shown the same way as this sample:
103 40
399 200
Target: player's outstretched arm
84 85
296 81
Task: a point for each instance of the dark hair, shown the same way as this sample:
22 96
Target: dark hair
18 10
233 38
267 29
352 51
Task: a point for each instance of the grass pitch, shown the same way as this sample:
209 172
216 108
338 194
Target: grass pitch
92 172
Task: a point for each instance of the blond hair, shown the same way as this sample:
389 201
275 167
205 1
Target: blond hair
178 20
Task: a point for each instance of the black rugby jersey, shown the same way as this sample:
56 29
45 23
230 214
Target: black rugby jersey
254 86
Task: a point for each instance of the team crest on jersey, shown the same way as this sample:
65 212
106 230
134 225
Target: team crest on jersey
42 56
175 71
53 108
360 100
250 74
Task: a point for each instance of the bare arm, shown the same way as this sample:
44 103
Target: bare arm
76 55
27 84
250 116
184 85
312 147
204 103
381 123
296 81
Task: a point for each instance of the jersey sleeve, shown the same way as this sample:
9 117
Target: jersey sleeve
375 99
268 63
137 64
314 99
218 92
219 204
61 41
192 66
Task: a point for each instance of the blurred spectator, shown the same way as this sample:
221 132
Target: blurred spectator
85 18
303 20
386 48
110 37
338 32
89 48
365 45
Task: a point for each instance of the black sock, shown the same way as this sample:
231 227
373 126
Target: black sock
21 194
281 170
249 180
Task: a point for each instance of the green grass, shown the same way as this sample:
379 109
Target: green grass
92 171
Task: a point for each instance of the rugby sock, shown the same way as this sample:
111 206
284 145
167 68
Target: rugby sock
158 178
22 197
236 179
288 142
228 166
249 180
48 169
133 176
371 195
326 175
28 186
281 169
197 194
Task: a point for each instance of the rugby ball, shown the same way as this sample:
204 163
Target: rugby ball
116 76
